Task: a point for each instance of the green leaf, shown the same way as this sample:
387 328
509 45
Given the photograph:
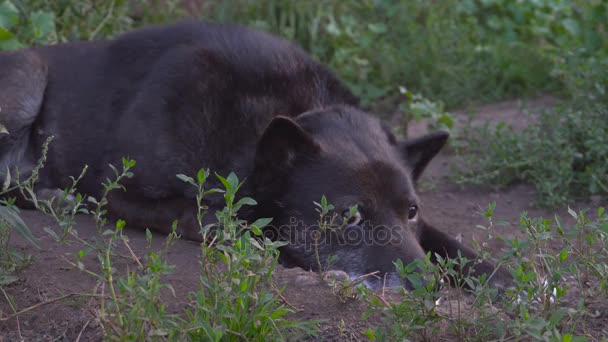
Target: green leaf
51 233
377 28
256 227
399 267
246 201
256 244
7 279
158 332
9 15
370 334
202 175
80 254
572 213
43 23
127 163
563 254
261 223
185 178
213 191
10 44
279 313
233 180
224 181
571 26
7 180
556 317
414 280
12 219
352 211
256 230
120 224
5 35
447 120
274 244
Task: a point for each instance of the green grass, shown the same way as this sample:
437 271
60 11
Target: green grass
564 155
559 272
439 49
235 299
447 51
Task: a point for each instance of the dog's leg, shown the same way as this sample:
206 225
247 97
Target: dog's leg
437 242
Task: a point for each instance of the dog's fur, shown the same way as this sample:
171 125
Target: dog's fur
177 98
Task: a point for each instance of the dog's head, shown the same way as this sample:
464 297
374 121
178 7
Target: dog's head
349 157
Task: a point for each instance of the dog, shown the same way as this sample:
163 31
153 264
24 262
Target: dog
177 98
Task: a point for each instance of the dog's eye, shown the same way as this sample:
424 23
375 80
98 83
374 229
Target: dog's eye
350 218
412 212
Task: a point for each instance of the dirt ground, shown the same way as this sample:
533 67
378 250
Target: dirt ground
454 209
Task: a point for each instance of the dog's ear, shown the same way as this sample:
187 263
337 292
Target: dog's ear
282 144
419 152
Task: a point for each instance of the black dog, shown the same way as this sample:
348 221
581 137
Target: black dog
177 98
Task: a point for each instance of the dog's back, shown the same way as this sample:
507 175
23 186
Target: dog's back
207 90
